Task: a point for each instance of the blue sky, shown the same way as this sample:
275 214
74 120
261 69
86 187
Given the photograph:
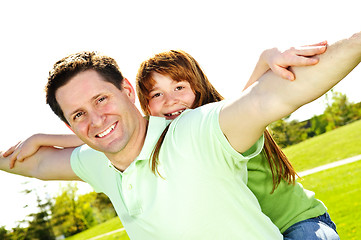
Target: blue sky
226 37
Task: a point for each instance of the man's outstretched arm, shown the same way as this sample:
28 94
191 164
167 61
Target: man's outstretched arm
47 164
271 98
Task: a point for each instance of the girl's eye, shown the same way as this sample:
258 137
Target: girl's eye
179 88
156 95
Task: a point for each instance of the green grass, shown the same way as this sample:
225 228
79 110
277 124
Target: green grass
110 225
338 188
341 143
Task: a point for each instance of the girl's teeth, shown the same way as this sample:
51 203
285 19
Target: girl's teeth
175 113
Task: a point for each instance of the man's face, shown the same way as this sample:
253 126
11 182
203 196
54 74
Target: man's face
100 114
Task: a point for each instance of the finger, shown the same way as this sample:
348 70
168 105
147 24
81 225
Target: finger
9 151
12 163
305 61
283 72
14 157
21 157
323 43
12 149
295 61
309 50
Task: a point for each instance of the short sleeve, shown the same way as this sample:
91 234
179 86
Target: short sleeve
89 165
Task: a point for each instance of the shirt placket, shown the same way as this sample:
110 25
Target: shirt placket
129 189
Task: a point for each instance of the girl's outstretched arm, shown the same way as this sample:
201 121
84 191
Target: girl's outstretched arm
30 146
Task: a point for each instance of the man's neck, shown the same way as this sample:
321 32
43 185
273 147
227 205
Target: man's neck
131 151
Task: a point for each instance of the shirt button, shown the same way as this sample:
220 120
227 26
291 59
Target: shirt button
130 186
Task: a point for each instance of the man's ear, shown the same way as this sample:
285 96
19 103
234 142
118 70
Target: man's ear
129 90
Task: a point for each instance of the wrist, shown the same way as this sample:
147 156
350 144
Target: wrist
268 55
38 139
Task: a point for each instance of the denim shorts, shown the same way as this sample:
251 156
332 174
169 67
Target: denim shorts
318 228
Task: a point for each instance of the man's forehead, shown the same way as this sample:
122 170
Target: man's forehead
82 88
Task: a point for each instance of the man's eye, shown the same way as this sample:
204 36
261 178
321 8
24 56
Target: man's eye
101 99
78 115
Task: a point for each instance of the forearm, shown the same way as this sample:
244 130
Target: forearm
47 164
244 119
25 169
59 140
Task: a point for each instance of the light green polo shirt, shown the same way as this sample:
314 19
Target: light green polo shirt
201 194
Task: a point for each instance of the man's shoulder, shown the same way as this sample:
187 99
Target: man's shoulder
84 152
205 111
199 122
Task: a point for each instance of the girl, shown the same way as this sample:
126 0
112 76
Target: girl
172 82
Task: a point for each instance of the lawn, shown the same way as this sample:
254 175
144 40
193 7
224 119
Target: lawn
111 225
338 188
341 143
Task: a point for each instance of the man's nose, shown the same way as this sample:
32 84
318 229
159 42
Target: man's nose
96 119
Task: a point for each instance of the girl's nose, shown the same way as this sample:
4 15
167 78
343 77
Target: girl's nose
171 98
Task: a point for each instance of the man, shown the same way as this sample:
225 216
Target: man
192 197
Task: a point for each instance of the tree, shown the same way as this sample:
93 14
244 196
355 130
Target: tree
19 233
102 207
67 217
339 111
287 133
4 234
40 227
318 125
37 224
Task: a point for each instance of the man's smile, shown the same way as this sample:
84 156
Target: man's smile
107 131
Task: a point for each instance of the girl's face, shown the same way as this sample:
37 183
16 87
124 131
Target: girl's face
169 98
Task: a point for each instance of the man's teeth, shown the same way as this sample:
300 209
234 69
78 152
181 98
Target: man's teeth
175 113
106 132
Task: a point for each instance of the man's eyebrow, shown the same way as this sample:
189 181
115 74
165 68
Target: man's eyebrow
75 111
79 109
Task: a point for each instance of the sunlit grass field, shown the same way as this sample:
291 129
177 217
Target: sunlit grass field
111 225
339 188
341 143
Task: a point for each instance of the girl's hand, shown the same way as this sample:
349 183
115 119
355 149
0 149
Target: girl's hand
279 62
22 150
